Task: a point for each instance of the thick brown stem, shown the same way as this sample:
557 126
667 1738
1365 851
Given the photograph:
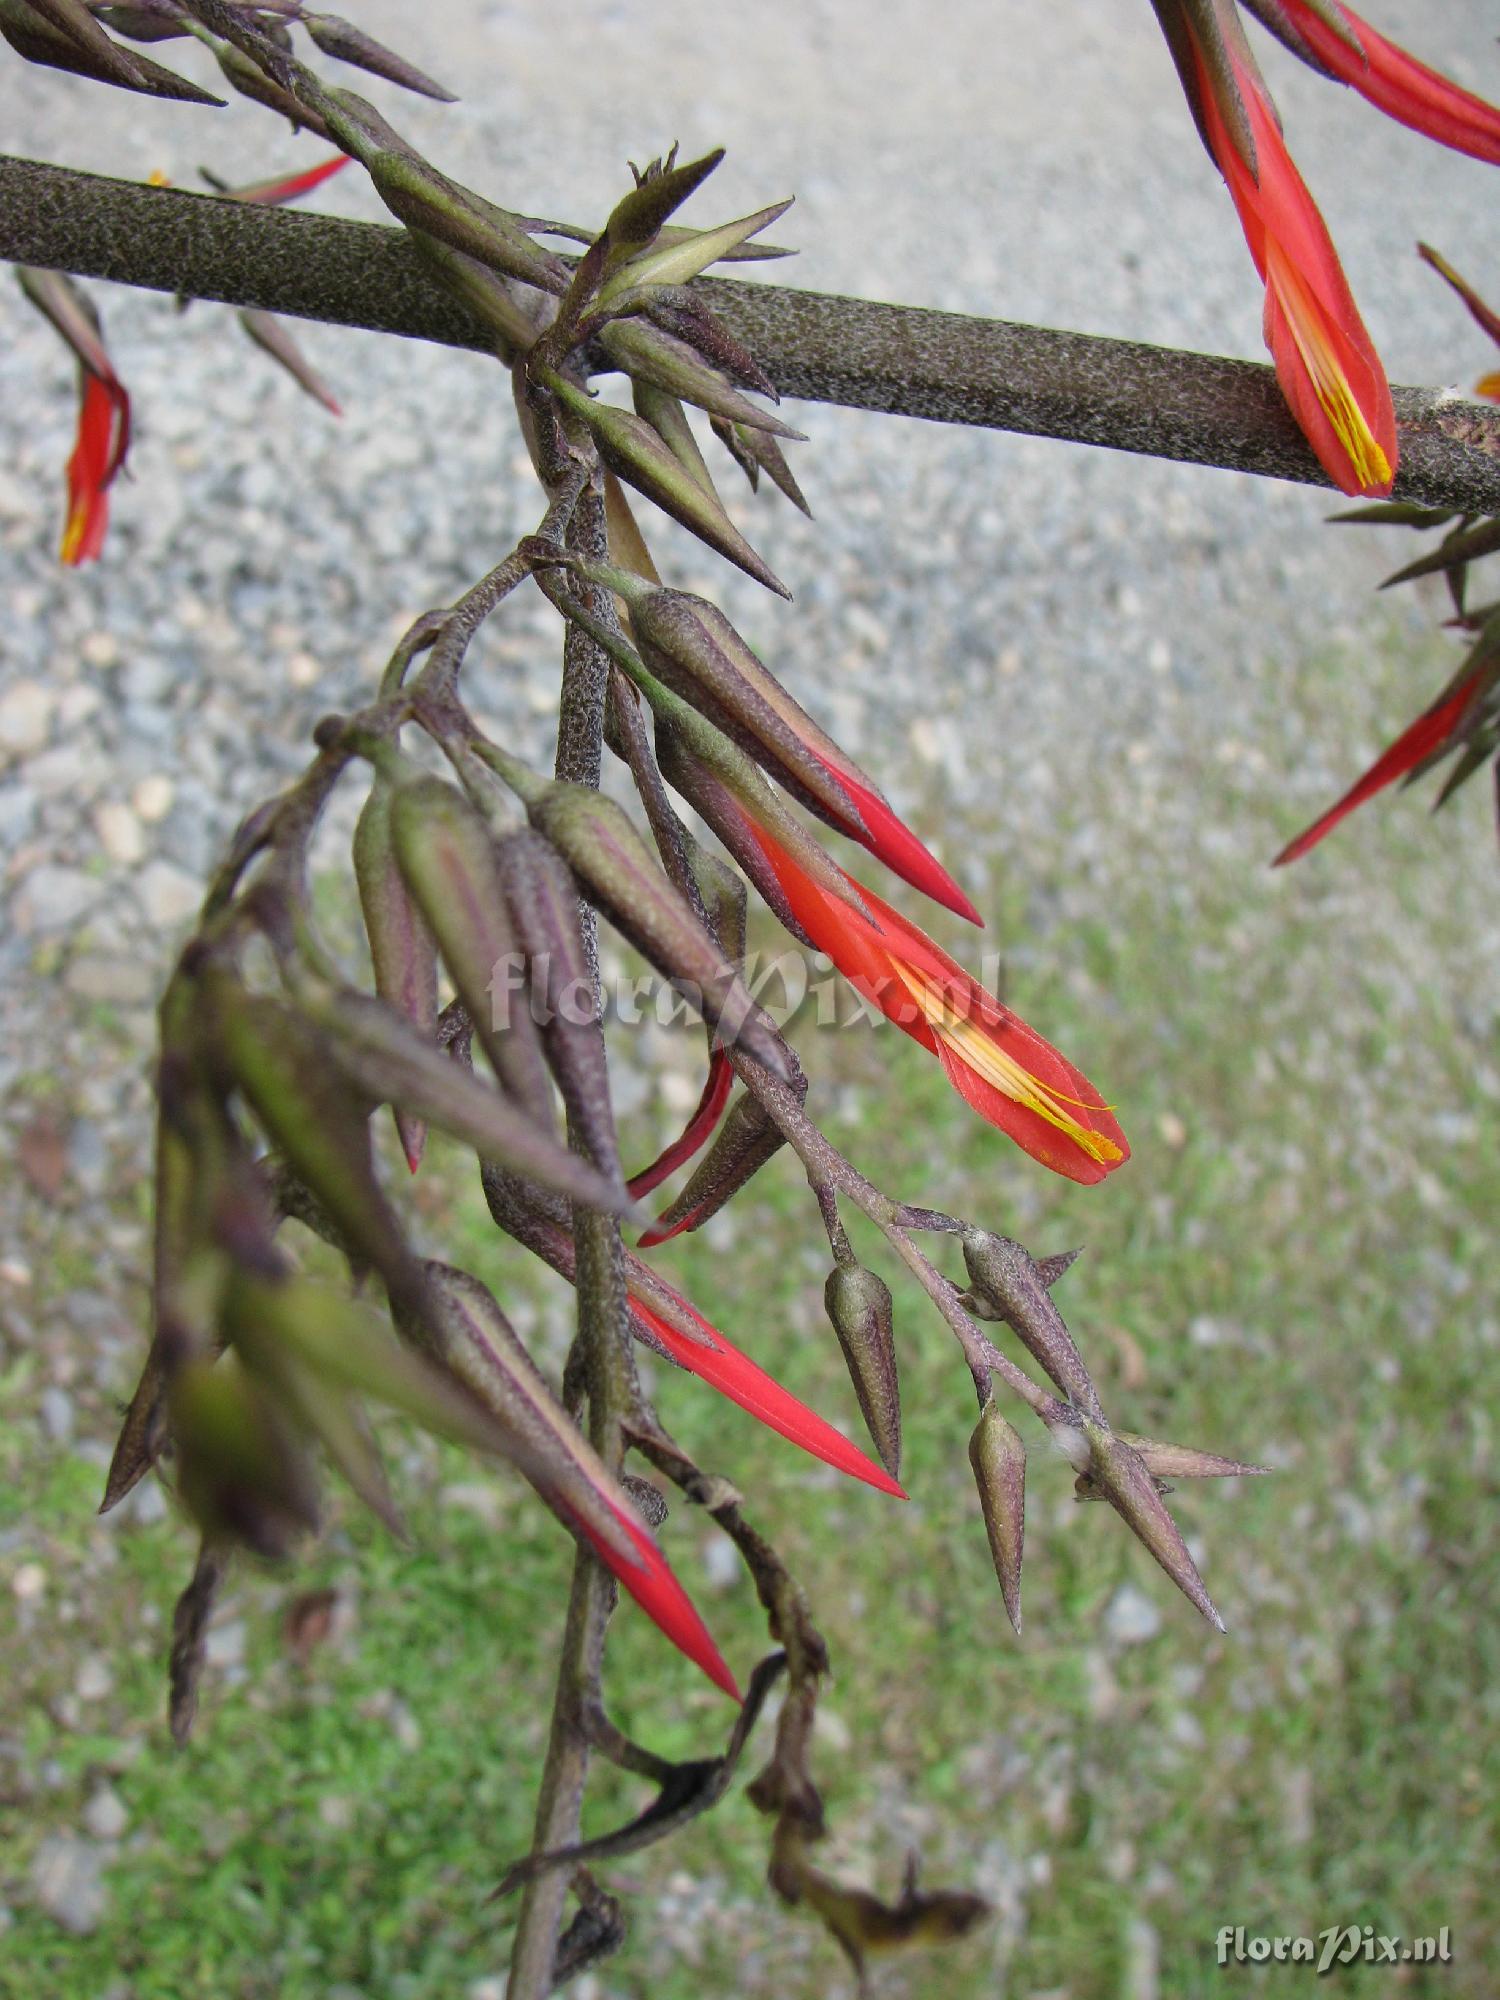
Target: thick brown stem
607 1366
902 359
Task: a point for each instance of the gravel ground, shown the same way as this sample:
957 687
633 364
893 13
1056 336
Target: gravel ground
1043 637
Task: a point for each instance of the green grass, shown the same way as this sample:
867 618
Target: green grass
1297 1267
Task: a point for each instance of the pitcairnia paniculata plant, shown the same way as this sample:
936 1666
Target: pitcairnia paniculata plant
480 881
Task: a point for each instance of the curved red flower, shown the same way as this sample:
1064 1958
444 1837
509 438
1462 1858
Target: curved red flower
670 1322
1395 82
1325 360
98 453
1009 1073
696 1133
1429 732
664 1319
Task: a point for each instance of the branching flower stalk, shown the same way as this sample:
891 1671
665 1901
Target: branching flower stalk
491 878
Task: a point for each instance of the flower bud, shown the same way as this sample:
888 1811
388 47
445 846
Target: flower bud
999 1460
633 452
730 795
448 859
418 195
862 1311
1181 1461
1119 1474
1005 1275
666 416
689 643
286 1071
402 950
272 338
243 1471
746 1140
756 451
599 843
477 1344
341 39
653 357
543 901
386 1061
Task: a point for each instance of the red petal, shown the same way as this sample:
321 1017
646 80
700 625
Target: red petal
269 193
656 1590
1031 1132
695 1134
1397 84
890 840
1283 226
1430 730
865 952
718 1362
103 431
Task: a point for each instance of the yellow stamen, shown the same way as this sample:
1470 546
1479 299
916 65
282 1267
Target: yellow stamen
976 1047
1330 386
72 539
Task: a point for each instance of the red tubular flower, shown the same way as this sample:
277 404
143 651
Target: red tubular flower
1393 81
996 1063
873 822
651 1582
692 646
99 452
665 1319
1429 732
696 1133
664 1314
877 828
1325 361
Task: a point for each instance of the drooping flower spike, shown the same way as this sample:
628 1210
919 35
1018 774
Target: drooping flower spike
1007 1072
1337 41
1325 361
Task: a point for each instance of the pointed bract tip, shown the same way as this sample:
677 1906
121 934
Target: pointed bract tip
1121 1476
654 1586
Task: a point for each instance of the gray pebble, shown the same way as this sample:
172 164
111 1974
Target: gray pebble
56 1407
226 1644
1131 1617
53 899
104 1816
94 1678
67 1881
168 894
25 717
